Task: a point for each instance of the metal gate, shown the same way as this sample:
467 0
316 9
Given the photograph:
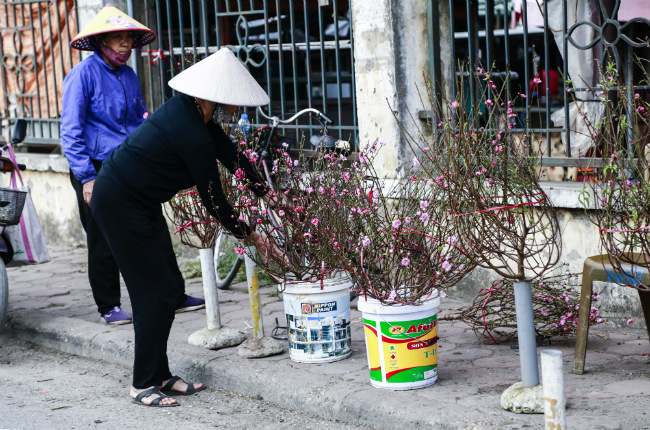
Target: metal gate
524 42
35 56
300 51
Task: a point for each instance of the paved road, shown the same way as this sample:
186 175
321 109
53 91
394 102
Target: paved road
51 305
46 389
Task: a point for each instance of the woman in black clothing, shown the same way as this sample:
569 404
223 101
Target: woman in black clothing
176 148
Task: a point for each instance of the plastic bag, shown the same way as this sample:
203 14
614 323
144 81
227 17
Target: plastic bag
26 238
581 133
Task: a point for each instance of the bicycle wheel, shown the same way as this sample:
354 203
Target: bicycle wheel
4 292
226 260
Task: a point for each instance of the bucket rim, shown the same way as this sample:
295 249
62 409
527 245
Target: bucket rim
314 286
374 306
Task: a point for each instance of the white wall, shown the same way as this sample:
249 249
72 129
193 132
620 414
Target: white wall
391 55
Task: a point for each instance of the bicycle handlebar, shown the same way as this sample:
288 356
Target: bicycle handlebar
277 120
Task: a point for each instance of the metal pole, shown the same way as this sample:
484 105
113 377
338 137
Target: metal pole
553 383
254 293
526 334
214 336
210 288
134 51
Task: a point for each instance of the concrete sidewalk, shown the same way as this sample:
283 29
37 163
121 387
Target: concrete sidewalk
51 305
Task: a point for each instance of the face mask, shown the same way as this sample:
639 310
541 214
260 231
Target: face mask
114 59
221 114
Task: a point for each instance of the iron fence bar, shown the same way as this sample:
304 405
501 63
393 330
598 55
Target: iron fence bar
180 32
169 38
452 31
67 26
38 87
293 57
217 14
565 67
300 46
432 42
526 75
629 108
268 63
547 89
61 59
160 46
192 29
307 63
21 72
149 67
47 95
506 35
238 13
489 33
489 38
338 66
278 12
489 42
353 88
2 54
56 95
322 59
472 37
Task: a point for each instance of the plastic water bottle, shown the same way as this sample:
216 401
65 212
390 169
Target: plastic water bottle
244 125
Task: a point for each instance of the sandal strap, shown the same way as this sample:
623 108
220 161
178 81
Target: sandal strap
149 392
190 388
168 386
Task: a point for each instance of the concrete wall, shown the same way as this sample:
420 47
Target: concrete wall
56 203
391 55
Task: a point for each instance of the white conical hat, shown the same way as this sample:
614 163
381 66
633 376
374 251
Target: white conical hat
221 78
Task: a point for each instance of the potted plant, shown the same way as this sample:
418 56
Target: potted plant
480 155
315 291
617 198
198 229
400 245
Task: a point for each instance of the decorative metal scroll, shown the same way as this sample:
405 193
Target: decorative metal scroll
244 50
609 20
18 64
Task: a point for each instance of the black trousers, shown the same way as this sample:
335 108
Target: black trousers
103 274
137 234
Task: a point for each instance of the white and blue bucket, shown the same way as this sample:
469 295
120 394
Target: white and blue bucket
318 320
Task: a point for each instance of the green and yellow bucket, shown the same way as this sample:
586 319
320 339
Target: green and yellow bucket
401 342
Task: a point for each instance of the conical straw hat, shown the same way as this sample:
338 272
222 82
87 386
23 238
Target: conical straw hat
111 19
221 78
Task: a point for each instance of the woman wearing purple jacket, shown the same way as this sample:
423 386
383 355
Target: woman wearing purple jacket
102 105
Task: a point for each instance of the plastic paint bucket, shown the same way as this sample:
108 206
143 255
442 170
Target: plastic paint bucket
318 320
402 343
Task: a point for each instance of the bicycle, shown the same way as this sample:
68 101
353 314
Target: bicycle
11 207
226 261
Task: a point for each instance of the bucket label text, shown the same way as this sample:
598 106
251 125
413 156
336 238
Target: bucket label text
314 308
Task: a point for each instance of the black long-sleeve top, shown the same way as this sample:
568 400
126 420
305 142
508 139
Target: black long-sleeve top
174 149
